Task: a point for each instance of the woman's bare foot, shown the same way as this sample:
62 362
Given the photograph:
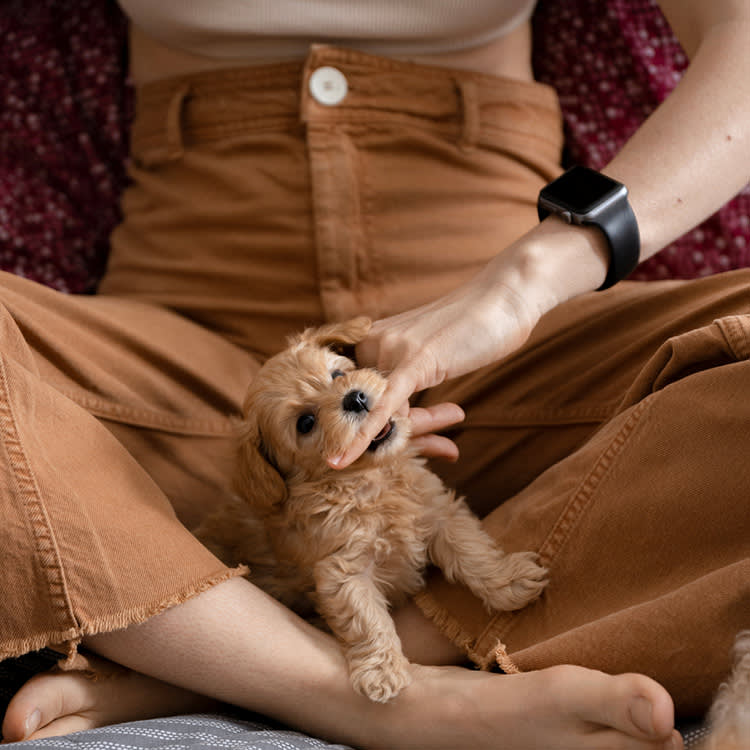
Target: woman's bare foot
198 645
56 703
446 707
558 708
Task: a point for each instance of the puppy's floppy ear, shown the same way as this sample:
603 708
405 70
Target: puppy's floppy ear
338 336
258 481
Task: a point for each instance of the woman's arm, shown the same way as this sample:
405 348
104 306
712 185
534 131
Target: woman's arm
693 154
688 159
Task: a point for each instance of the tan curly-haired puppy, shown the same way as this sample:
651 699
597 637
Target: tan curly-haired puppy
729 718
350 543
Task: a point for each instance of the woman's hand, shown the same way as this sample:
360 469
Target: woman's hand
475 325
426 422
479 323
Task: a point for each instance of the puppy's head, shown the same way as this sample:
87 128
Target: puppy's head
307 403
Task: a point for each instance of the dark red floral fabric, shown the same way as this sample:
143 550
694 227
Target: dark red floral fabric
64 115
65 110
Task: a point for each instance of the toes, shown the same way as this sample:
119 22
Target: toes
23 716
43 700
62 726
630 703
643 691
57 703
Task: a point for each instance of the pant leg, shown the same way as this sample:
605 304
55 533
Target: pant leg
628 420
112 414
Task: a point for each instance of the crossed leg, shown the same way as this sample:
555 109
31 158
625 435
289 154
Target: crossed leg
232 644
286 669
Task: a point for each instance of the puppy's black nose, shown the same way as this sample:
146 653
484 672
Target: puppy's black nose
355 401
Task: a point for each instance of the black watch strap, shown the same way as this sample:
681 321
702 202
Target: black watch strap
620 227
584 196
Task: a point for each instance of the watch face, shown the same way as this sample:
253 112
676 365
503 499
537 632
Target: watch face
581 189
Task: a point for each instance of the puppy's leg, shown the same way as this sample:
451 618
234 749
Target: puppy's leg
729 717
357 612
466 553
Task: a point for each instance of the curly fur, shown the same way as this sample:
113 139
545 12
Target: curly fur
350 544
729 717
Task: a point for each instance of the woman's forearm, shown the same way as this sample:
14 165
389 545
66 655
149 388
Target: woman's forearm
693 154
689 158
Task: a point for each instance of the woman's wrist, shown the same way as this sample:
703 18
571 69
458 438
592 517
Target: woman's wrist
555 262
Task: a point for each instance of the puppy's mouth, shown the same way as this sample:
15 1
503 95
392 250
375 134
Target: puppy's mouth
383 436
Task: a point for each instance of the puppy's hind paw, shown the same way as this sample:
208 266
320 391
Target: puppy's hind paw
527 580
382 677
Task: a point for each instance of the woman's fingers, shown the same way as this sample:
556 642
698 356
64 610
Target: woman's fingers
425 420
436 446
478 323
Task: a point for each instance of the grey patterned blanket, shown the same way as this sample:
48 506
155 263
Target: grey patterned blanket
209 732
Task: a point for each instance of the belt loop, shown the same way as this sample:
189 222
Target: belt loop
469 97
175 145
311 62
304 93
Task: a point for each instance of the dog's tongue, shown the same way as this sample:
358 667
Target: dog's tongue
381 436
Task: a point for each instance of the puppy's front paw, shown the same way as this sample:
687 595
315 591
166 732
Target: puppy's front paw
381 676
527 581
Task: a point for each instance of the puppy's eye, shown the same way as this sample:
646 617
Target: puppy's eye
337 374
305 423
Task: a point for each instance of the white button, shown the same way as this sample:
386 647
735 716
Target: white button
328 85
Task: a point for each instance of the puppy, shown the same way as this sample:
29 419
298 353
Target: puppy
351 543
729 717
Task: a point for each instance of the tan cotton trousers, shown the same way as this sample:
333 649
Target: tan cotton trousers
615 442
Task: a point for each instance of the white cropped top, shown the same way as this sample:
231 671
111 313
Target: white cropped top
285 28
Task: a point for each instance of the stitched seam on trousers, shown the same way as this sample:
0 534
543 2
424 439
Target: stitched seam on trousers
153 420
196 135
46 547
502 625
581 499
330 168
735 336
372 257
373 121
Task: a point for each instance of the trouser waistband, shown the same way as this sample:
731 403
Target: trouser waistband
331 86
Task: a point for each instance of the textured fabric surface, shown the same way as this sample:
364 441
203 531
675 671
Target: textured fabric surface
211 732
272 30
191 732
64 116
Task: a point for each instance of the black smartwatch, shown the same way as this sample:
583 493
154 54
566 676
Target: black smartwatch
585 196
